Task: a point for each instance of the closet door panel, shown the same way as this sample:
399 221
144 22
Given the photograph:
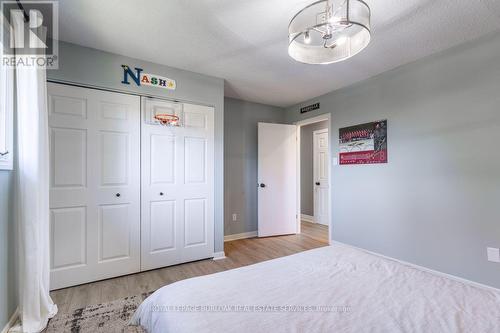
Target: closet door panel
198 190
177 188
163 159
95 184
195 222
114 232
162 237
68 238
161 153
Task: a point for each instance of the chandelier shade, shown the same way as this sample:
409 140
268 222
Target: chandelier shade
329 31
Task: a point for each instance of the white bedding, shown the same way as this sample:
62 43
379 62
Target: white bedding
366 293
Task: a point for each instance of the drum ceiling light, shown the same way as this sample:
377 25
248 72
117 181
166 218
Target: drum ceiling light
329 31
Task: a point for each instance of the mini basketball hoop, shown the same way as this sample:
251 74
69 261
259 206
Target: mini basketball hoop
166 119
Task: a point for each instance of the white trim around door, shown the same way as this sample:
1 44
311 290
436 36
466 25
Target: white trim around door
219 255
325 116
307 218
243 235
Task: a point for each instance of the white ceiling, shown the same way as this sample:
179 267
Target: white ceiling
245 41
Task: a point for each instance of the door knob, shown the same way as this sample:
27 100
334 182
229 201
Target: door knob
118 195
161 193
318 183
262 185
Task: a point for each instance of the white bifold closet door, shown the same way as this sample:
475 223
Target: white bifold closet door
94 185
177 186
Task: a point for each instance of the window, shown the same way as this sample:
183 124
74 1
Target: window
6 108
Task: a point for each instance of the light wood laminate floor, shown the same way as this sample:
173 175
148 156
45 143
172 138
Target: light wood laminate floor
239 253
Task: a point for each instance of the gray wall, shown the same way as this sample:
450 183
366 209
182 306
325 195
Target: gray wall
81 65
8 284
240 161
307 166
436 203
8 298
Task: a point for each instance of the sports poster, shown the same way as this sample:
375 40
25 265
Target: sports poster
364 144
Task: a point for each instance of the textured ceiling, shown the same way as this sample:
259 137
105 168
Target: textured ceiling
245 41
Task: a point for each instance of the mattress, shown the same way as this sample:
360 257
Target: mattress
331 289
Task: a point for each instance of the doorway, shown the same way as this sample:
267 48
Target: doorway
281 186
314 172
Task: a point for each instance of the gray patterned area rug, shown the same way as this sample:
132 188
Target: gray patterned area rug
106 317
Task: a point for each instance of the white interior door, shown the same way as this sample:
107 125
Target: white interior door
321 181
277 179
177 186
94 185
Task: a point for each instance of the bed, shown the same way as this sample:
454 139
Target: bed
332 289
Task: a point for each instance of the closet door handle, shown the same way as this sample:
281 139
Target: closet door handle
318 183
4 153
161 193
117 195
262 185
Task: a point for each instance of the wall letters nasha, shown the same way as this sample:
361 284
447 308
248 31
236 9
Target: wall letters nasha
143 79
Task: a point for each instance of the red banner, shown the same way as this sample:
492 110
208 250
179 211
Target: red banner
364 157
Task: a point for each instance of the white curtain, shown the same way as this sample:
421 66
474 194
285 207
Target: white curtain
35 304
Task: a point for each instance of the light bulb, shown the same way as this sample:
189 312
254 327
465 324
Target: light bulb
307 38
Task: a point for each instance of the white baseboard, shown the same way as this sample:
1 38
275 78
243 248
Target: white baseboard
11 321
243 235
219 255
307 218
422 268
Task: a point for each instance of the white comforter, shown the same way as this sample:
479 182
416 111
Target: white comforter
362 292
